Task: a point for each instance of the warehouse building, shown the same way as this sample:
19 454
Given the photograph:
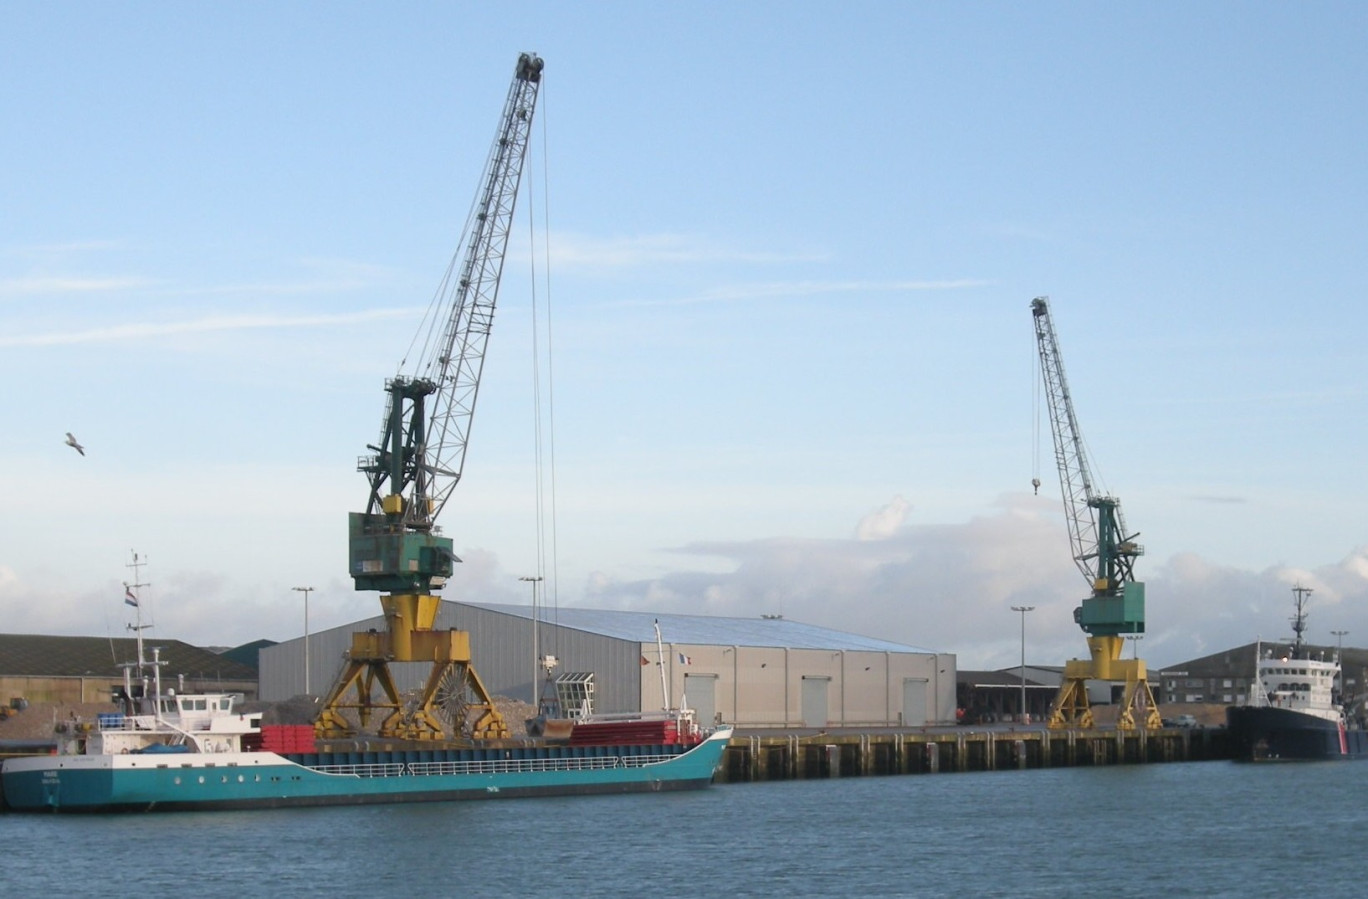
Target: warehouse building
752 672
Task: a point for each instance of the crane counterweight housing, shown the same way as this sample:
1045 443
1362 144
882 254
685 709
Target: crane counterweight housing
395 544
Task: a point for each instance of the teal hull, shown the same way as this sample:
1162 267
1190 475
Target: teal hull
266 780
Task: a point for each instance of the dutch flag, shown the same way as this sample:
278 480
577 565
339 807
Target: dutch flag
129 598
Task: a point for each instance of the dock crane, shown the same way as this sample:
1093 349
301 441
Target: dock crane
395 545
1104 552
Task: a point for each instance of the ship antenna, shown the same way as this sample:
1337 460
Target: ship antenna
1299 620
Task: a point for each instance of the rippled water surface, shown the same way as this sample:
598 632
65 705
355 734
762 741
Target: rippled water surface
1208 829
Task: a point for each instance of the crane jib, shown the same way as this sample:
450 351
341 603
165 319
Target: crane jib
395 544
1103 549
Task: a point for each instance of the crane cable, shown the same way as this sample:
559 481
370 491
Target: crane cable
544 449
1035 420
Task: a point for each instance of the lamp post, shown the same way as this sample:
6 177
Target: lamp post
306 591
534 579
1023 610
1339 660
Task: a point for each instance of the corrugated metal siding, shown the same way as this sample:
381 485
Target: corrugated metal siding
759 664
501 647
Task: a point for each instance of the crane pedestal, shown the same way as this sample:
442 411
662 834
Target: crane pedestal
1071 708
453 700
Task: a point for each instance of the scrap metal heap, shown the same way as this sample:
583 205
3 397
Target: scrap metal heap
1104 552
395 545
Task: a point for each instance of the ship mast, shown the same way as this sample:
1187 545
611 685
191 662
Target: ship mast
1302 597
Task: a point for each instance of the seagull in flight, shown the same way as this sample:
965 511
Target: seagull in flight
71 442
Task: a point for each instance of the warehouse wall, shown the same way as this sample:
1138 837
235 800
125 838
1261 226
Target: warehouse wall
764 686
749 686
500 647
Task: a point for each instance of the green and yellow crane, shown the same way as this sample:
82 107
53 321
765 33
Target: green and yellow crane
395 545
1104 551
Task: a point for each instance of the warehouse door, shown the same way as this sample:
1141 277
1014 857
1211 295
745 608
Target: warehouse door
815 691
700 694
914 701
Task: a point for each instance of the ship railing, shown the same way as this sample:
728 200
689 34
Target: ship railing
389 769
493 766
519 766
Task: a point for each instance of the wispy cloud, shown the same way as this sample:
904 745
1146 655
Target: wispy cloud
49 284
334 276
738 292
326 276
56 250
579 250
143 330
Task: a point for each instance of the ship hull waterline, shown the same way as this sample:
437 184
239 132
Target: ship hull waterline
258 780
1271 734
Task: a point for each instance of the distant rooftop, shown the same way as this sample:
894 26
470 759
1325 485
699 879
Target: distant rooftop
639 627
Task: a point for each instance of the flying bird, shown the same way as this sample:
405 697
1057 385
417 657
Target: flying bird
71 442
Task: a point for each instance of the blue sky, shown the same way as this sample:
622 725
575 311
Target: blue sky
786 253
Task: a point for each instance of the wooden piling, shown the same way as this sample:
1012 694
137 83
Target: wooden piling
795 756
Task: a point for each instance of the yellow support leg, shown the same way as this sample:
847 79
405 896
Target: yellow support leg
452 684
1138 709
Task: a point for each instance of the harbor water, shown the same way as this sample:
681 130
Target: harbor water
1206 829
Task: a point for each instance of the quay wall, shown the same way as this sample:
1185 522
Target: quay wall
795 756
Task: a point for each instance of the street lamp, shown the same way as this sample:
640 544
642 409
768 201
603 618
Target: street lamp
1023 610
306 591
1339 642
1339 660
534 579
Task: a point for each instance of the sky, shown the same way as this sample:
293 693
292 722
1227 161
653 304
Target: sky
763 343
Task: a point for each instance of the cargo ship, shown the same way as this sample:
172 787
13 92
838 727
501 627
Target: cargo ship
168 752
1294 712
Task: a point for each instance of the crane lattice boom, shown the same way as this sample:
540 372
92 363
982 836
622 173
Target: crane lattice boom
1102 549
394 545
422 450
1105 554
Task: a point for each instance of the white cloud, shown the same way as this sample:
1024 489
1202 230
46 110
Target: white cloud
767 290
49 284
883 523
581 250
950 587
143 330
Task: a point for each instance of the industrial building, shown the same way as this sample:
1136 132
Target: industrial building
752 672
1226 677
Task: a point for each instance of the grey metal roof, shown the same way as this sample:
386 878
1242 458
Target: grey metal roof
639 627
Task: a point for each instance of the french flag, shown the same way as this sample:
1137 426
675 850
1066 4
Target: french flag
685 660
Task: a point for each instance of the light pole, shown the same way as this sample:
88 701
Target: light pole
534 579
1023 610
1339 659
306 591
